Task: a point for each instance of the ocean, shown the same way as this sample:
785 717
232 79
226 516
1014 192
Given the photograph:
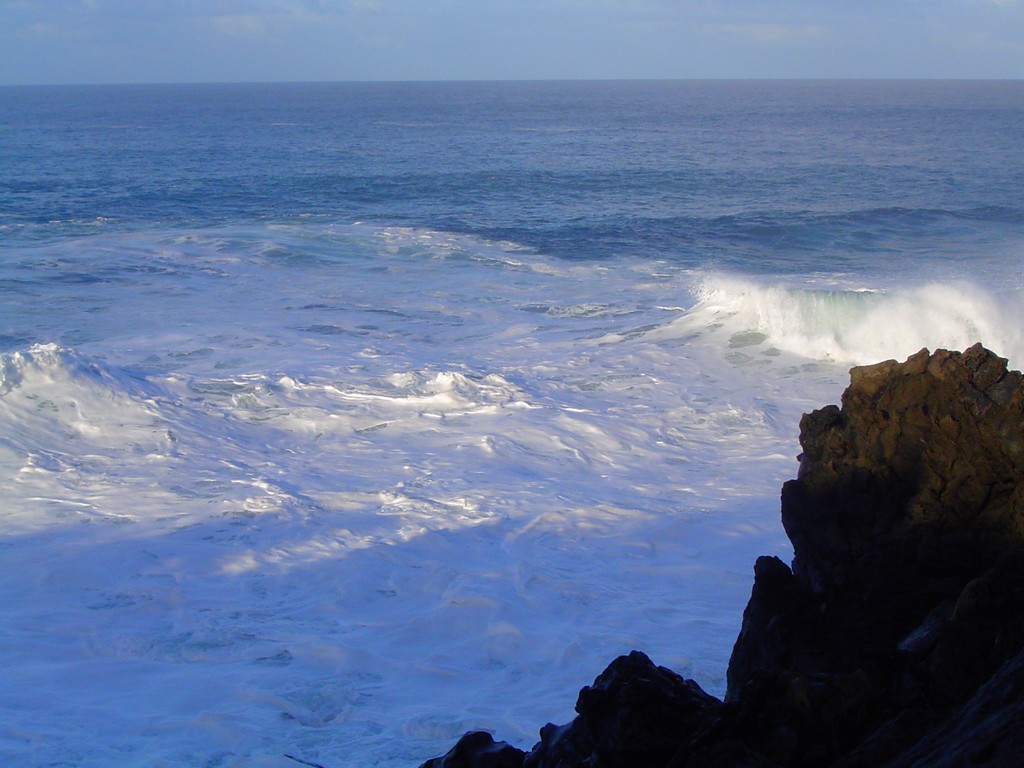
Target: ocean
339 419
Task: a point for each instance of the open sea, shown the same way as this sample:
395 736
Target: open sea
339 419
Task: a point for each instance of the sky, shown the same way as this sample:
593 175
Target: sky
144 41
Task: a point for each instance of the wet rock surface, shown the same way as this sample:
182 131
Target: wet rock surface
896 638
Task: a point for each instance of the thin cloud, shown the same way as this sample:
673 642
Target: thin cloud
239 25
265 18
48 29
774 34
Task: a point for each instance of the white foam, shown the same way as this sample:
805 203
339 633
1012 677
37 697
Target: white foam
857 326
66 420
343 493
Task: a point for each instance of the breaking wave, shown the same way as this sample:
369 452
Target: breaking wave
856 325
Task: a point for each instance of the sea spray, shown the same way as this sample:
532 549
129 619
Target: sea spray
858 325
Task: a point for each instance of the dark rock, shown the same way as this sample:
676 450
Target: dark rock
987 730
896 639
478 749
905 594
728 753
635 714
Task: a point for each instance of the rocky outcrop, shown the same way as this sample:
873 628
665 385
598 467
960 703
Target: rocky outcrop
634 714
895 638
478 749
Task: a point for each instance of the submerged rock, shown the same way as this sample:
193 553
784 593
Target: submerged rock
897 636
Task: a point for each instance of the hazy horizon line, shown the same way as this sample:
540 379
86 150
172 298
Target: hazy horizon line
414 81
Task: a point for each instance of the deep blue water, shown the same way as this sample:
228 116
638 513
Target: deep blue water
763 176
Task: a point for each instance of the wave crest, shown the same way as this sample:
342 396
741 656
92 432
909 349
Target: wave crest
857 326
68 395
47 364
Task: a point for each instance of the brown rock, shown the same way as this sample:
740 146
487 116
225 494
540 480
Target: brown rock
907 525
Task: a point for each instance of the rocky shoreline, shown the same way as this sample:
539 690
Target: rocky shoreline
896 636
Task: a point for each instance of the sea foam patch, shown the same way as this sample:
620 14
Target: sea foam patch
364 515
